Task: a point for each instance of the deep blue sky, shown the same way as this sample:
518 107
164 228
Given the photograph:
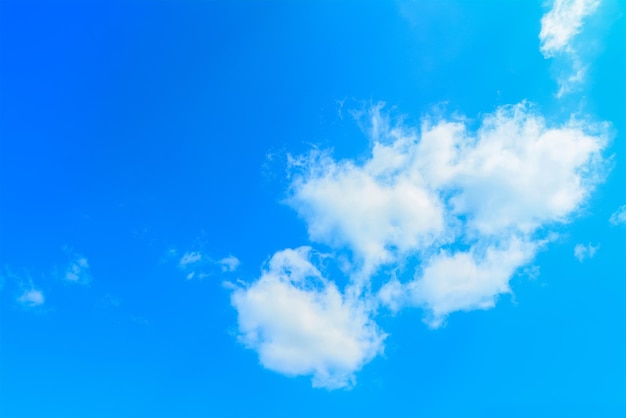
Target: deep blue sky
133 134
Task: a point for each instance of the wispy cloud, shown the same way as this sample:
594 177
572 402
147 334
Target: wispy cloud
197 265
77 270
31 298
559 28
28 294
190 258
470 207
229 263
619 216
583 252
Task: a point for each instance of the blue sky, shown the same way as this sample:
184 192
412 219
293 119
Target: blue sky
232 209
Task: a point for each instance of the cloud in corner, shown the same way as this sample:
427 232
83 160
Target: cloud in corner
559 27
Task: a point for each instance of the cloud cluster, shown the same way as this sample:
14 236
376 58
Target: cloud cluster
466 204
469 207
461 209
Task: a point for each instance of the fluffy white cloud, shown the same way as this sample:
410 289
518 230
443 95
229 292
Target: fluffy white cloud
467 280
515 173
582 252
559 27
487 191
619 216
31 298
301 324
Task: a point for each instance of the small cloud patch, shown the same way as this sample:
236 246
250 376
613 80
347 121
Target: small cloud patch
31 298
77 270
583 252
619 216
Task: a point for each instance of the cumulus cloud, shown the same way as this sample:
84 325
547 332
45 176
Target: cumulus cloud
583 252
619 216
417 192
301 324
466 208
466 280
559 27
31 298
489 191
469 207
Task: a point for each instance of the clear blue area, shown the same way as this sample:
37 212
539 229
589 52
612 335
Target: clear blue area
129 129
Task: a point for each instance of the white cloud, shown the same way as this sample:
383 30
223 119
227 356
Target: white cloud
193 263
191 257
559 27
562 23
583 252
619 216
467 280
301 324
229 263
31 298
198 265
417 192
471 208
78 269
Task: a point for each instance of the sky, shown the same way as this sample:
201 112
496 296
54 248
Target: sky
304 209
